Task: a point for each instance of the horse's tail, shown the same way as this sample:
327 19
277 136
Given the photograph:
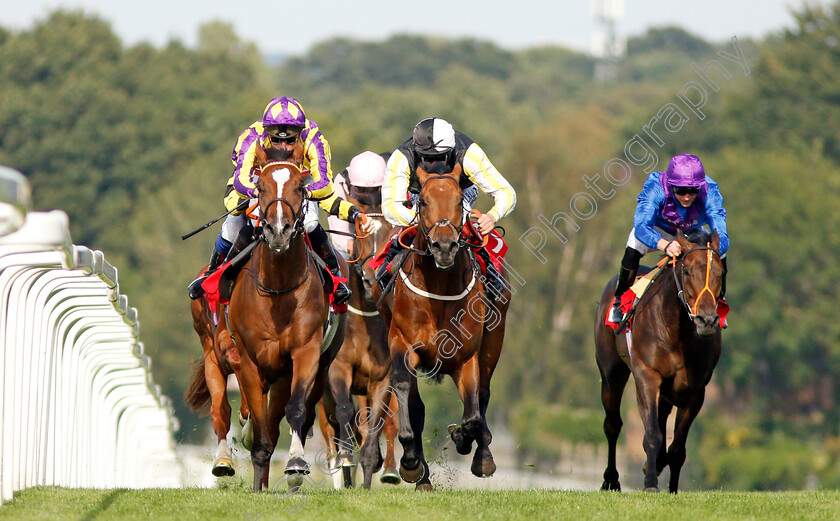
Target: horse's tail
197 396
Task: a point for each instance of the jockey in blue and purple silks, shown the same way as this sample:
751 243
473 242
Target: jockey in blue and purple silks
681 198
282 126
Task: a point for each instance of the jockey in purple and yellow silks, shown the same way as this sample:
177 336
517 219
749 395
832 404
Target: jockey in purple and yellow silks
683 198
282 127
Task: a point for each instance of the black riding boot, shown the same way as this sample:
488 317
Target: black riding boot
194 289
494 285
383 276
723 280
626 276
321 245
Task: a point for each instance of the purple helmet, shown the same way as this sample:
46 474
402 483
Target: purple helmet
283 113
686 170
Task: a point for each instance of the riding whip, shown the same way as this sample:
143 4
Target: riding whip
242 206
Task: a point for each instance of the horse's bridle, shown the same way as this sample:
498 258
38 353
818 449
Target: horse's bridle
459 230
692 311
299 214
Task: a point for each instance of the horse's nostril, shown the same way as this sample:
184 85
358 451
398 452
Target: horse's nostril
435 246
453 247
269 228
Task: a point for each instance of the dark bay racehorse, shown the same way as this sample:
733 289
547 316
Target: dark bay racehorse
442 323
676 343
208 386
362 366
279 313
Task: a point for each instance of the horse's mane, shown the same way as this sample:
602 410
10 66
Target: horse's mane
276 154
372 200
699 236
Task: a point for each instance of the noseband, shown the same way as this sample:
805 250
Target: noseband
299 214
692 310
427 231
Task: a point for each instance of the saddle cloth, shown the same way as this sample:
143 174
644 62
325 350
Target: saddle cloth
629 299
212 293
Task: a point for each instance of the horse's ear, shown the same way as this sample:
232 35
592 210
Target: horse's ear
715 240
681 238
262 157
422 175
456 172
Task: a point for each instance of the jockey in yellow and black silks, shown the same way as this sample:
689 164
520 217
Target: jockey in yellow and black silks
434 141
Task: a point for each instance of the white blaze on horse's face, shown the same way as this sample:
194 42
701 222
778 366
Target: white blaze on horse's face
281 177
278 233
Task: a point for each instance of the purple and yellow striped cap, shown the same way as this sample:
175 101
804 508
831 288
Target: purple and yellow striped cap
284 111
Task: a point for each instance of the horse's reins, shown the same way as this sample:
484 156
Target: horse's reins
692 311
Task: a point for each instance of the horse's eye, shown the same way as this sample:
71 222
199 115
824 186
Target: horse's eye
685 272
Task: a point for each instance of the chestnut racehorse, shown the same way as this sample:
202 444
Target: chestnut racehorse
442 323
676 344
208 386
281 322
362 367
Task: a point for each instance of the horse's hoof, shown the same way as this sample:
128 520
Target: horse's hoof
652 489
223 467
614 486
346 460
297 466
424 487
294 481
611 486
412 476
483 468
390 477
463 446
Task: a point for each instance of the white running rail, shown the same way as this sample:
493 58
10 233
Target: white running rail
78 406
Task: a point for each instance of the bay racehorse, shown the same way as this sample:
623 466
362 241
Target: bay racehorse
208 385
280 319
362 366
676 344
443 323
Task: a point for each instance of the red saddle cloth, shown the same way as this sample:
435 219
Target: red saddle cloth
629 297
211 286
496 248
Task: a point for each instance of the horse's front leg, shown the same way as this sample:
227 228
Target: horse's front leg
614 376
676 453
278 398
665 408
647 397
466 381
412 415
261 449
301 404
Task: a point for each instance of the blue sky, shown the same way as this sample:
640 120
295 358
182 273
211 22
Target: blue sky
291 28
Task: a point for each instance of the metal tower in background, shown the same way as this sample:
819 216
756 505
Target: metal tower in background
607 45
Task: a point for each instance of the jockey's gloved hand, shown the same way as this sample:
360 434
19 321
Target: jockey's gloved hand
352 214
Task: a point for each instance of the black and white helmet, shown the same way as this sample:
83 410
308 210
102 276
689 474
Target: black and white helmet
433 136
